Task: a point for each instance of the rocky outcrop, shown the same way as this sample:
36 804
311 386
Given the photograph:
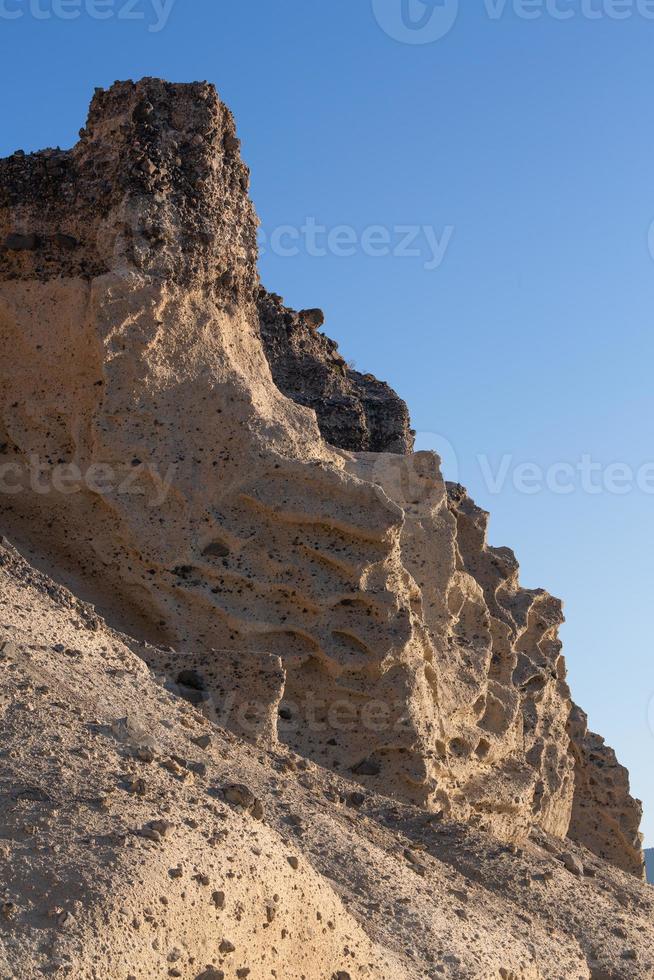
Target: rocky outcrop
581 789
175 444
525 704
604 818
138 839
155 186
355 411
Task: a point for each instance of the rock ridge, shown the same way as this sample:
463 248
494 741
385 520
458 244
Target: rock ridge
282 556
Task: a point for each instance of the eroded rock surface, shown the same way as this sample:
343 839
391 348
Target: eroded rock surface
139 839
605 818
177 449
355 411
155 185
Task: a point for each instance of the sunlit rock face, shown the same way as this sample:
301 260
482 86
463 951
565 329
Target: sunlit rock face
200 462
605 818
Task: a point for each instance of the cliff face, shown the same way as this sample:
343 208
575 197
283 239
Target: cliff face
605 818
226 491
138 839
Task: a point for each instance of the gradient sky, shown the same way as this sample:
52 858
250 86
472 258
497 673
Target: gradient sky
519 154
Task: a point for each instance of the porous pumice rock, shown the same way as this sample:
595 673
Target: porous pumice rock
605 818
187 880
155 187
173 462
99 883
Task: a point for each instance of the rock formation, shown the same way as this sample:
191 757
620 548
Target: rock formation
354 411
245 512
604 816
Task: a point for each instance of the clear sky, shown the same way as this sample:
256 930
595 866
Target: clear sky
468 194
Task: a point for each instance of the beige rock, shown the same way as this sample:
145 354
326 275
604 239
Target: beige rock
605 818
316 603
344 604
118 911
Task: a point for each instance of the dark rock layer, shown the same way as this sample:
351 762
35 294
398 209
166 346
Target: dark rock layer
154 184
355 411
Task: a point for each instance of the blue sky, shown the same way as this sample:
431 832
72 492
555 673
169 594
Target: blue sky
481 206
